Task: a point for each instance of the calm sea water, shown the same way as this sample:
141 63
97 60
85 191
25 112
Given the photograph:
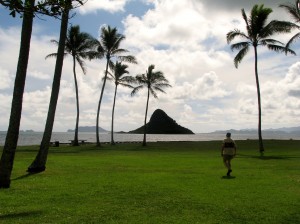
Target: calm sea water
34 138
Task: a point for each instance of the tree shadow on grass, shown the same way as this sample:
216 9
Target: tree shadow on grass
18 215
24 176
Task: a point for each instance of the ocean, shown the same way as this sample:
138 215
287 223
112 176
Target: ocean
34 138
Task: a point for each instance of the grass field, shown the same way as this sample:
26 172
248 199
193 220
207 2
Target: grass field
167 182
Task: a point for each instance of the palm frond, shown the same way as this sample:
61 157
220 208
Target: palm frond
95 55
240 45
235 33
128 58
293 10
162 85
239 57
153 93
128 79
278 48
53 55
275 27
293 39
159 89
81 64
265 42
109 78
54 42
126 85
136 90
119 51
141 79
111 65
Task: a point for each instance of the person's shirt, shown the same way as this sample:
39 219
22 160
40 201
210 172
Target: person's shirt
229 147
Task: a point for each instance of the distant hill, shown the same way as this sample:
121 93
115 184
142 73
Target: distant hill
87 129
291 130
288 130
161 123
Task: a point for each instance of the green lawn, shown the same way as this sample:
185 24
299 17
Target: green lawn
167 182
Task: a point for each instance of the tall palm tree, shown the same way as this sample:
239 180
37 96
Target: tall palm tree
80 46
294 11
259 33
109 47
117 76
153 81
8 154
39 163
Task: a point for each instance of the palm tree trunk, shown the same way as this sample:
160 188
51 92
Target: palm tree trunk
112 142
8 154
99 104
75 143
39 164
261 146
145 127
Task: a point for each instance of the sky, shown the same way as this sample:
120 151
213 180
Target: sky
186 40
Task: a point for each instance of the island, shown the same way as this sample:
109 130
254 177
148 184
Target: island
161 123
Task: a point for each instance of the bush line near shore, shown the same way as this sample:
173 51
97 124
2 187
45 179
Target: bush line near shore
165 182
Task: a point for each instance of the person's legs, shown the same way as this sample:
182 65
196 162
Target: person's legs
227 163
229 166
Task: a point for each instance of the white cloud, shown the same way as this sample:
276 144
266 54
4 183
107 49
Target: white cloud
171 23
207 87
39 75
112 6
5 79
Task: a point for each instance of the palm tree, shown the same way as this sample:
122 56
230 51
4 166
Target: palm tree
109 47
117 77
259 33
294 11
39 163
79 45
8 154
28 9
154 81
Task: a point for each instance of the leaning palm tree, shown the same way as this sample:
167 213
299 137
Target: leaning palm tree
154 81
117 76
294 11
259 33
9 149
109 47
39 163
80 46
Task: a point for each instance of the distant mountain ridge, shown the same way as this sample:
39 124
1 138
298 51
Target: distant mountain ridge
290 130
161 123
87 129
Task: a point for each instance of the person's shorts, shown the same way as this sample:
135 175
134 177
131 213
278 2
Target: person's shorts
228 157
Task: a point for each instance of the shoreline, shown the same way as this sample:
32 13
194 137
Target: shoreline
53 144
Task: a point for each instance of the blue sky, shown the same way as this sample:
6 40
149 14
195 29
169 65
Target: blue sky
186 40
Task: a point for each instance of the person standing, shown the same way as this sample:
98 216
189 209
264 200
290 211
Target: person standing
228 152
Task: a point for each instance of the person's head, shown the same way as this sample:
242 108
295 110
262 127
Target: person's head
228 135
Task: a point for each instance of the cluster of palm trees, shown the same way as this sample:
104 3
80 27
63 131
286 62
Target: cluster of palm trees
82 46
